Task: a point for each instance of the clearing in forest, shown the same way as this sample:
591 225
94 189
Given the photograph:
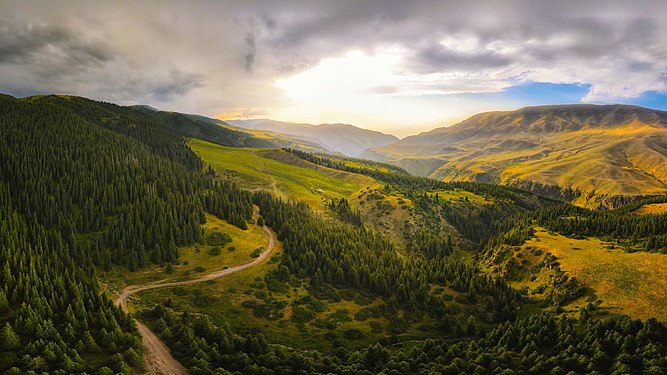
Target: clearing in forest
627 283
655 208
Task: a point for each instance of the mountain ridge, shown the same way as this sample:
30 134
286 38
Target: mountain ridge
344 138
607 150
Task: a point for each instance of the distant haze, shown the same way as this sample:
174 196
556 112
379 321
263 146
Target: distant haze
395 66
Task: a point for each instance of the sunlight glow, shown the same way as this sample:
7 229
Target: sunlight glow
375 90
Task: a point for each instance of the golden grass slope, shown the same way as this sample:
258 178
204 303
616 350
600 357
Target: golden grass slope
654 208
627 283
603 150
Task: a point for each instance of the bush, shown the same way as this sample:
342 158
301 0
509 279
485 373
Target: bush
363 314
203 300
301 315
353 334
376 328
200 269
179 291
231 248
214 251
218 239
256 253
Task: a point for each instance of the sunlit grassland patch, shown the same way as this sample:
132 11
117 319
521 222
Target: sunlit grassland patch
280 173
655 208
627 283
461 195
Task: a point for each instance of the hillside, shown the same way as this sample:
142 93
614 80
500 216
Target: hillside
346 139
600 150
84 187
97 198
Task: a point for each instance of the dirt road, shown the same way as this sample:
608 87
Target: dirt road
157 357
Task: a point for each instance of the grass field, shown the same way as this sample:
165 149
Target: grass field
655 208
460 195
629 283
227 296
244 242
281 173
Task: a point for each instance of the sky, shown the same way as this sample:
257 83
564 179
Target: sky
400 67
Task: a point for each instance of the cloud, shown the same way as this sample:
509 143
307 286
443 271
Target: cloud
250 51
437 58
49 45
219 56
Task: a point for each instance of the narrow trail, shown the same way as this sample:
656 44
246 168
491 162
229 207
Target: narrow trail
274 182
157 357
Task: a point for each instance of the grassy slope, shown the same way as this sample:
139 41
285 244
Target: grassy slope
618 150
619 162
229 293
628 283
655 208
280 173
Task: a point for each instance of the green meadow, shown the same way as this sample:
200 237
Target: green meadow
281 173
626 283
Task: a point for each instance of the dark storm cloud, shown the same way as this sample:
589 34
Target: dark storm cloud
250 51
40 44
437 58
176 84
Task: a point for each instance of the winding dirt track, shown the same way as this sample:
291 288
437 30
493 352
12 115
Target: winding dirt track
157 357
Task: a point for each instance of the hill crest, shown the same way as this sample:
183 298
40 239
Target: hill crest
344 138
596 149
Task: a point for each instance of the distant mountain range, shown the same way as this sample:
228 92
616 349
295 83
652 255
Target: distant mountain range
346 139
607 150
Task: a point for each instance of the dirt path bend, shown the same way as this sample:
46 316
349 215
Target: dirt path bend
157 357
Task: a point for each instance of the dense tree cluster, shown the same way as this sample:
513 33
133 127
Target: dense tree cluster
133 205
538 345
648 231
341 207
352 257
51 312
475 222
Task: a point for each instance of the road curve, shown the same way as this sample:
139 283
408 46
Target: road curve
157 357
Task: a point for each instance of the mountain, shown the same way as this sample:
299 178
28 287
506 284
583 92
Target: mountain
347 139
610 150
216 131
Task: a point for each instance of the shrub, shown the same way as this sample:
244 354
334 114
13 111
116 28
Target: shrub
353 334
301 315
218 239
214 251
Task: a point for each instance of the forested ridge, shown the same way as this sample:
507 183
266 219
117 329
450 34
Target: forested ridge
631 231
476 223
541 344
76 195
352 257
